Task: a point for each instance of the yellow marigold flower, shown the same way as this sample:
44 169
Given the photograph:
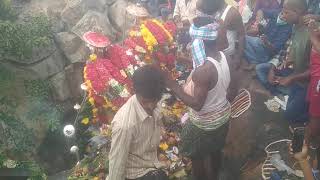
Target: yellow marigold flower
85 121
148 37
93 57
91 101
163 146
94 110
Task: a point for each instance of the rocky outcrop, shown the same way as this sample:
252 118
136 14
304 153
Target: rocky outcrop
118 16
60 87
93 21
76 9
47 67
74 74
72 47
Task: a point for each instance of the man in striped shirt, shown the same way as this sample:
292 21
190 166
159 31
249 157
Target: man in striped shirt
136 131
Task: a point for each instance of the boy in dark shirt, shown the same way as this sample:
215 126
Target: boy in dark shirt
272 39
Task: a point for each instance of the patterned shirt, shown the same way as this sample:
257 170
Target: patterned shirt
135 140
185 9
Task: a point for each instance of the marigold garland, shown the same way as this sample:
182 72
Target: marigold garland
170 38
148 37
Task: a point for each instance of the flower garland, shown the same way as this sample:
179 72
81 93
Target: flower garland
148 37
123 59
153 39
169 36
157 32
171 27
108 89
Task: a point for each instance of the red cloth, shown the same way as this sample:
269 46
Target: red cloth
314 64
314 86
314 97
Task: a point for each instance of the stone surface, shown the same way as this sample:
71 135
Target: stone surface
74 74
60 87
72 47
57 25
118 16
75 9
49 66
94 21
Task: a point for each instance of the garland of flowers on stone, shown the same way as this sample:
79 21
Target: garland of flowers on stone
108 85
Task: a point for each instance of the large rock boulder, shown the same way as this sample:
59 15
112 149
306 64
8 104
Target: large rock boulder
60 87
75 9
48 66
118 16
72 47
74 74
94 21
57 25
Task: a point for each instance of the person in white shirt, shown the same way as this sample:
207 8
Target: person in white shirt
136 130
184 12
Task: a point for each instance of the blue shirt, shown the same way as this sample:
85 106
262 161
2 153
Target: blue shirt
276 34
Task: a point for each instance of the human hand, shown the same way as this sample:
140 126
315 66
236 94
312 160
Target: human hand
264 40
285 81
308 17
300 156
285 64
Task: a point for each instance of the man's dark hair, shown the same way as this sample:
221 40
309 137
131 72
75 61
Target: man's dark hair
300 6
210 7
148 82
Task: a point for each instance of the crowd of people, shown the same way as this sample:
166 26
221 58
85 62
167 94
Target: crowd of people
280 41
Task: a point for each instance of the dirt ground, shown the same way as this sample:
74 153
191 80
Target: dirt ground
251 132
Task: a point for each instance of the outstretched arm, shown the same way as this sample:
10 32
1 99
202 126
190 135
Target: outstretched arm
201 87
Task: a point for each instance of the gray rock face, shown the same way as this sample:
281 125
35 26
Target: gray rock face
72 47
60 87
74 74
93 21
75 9
49 66
118 16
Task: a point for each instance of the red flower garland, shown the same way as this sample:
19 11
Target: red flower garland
171 27
157 32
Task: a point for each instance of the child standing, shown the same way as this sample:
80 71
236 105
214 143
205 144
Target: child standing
314 86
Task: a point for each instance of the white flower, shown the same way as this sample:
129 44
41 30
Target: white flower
175 150
136 57
74 149
69 130
84 87
129 53
10 163
77 106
